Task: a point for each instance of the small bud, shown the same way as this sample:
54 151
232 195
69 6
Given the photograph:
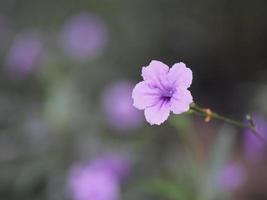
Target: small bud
250 120
208 113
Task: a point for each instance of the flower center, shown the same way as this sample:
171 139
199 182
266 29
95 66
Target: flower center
167 94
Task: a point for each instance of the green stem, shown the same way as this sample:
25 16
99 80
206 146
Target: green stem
212 115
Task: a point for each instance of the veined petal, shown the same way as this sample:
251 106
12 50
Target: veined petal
158 113
180 75
154 71
143 95
181 100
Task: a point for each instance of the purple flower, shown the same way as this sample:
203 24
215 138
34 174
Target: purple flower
232 176
84 36
99 179
163 90
254 148
116 165
24 54
86 183
118 106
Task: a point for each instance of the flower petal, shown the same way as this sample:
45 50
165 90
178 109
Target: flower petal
180 75
181 100
144 96
158 113
154 71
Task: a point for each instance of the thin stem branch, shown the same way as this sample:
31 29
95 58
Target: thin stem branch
208 114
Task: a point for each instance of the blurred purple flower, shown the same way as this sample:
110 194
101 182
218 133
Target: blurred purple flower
254 148
24 54
163 90
98 180
83 36
118 106
114 164
88 184
232 176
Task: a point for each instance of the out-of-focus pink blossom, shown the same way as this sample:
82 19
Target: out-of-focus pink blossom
118 106
163 90
88 184
232 176
254 148
84 36
99 179
114 164
24 54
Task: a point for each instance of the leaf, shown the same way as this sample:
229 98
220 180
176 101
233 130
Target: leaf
168 189
182 123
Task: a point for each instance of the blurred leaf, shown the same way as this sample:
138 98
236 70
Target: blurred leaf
61 103
219 154
182 123
168 189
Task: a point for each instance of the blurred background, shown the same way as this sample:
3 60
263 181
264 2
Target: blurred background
68 129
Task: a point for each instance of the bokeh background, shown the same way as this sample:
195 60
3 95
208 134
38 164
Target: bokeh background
67 126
